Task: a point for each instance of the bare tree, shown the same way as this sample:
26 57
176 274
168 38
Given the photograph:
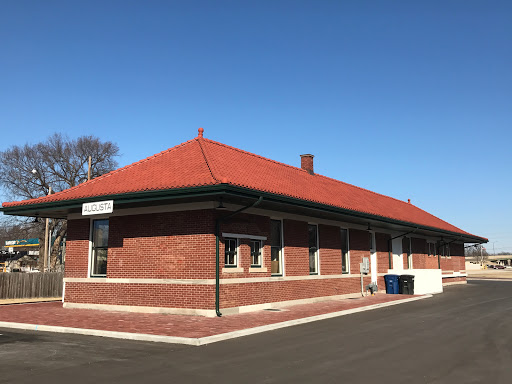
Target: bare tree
28 171
478 252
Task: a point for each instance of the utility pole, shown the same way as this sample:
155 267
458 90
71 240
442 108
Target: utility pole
46 242
89 169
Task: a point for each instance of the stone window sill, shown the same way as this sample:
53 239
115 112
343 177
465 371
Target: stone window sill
257 269
232 270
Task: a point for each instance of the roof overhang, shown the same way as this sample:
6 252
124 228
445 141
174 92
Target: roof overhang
236 195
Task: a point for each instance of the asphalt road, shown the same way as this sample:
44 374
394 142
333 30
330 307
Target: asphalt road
461 336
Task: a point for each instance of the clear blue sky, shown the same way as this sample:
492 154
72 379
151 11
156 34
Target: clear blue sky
407 98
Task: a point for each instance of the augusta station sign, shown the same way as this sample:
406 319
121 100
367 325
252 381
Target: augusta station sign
98 207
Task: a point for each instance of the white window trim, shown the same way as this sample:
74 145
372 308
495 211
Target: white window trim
317 253
348 251
281 255
235 266
409 255
262 246
243 236
434 245
89 262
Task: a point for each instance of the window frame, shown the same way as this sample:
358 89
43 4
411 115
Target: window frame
92 248
431 252
236 252
260 256
316 252
447 251
347 251
409 255
281 249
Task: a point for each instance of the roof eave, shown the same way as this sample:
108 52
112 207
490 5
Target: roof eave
215 190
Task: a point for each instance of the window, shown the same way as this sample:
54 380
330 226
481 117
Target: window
230 252
313 249
344 250
276 245
99 247
256 253
444 250
431 249
409 253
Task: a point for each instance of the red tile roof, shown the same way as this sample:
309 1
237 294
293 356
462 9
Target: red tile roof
202 162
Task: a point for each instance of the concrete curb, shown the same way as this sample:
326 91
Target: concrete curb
490 279
202 340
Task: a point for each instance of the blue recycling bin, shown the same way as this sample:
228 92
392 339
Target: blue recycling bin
392 285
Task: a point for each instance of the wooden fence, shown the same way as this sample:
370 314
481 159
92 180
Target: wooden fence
27 285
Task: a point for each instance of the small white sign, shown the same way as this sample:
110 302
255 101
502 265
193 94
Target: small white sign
98 207
365 265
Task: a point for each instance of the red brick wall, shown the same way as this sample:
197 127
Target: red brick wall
296 251
420 257
165 245
234 295
181 245
77 248
330 250
148 295
448 280
382 243
456 261
359 245
405 248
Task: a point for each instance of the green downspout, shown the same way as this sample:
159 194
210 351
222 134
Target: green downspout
218 220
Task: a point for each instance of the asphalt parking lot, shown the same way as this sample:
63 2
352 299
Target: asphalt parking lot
461 336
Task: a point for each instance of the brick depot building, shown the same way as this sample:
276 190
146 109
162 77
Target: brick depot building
205 228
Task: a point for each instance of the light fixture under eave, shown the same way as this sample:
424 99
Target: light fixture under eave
369 227
221 206
36 220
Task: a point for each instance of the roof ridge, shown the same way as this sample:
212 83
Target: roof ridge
203 151
254 155
302 170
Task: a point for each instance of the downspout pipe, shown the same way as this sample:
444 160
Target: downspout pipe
218 221
393 238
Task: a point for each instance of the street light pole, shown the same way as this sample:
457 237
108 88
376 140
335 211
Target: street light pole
493 251
89 169
46 242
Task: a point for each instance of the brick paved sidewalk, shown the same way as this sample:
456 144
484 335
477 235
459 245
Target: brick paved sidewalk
53 314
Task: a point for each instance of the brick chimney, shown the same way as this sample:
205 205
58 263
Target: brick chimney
306 163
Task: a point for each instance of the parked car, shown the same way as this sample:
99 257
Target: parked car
499 267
